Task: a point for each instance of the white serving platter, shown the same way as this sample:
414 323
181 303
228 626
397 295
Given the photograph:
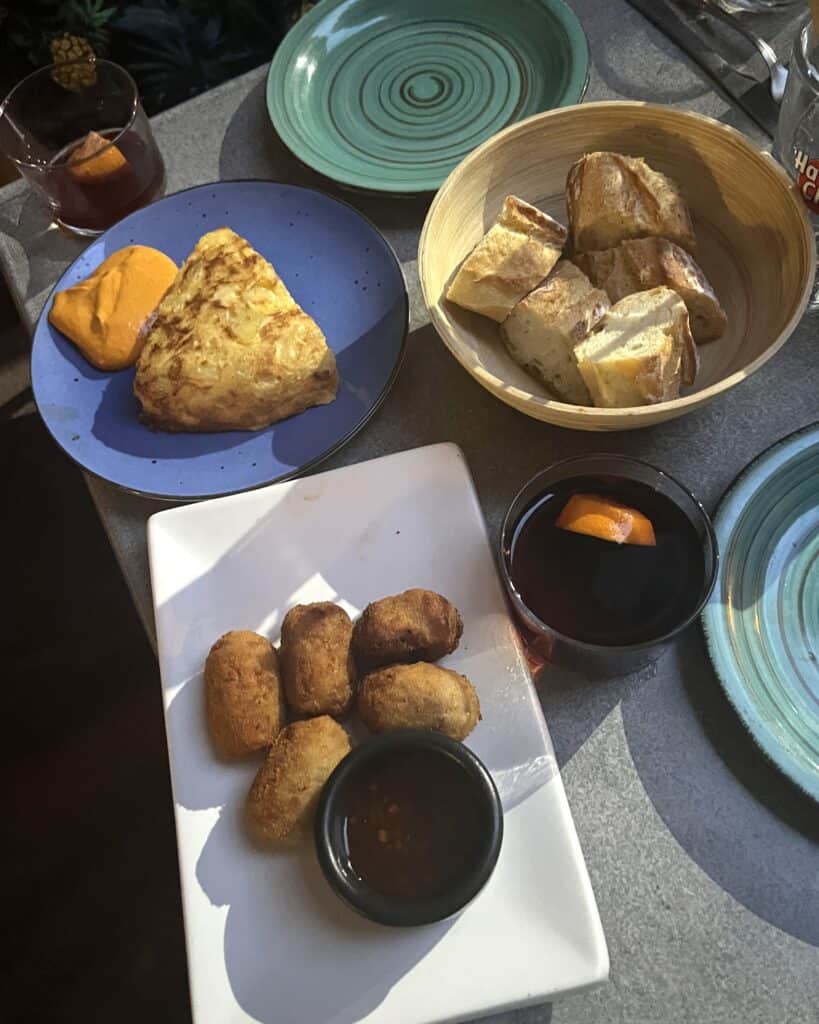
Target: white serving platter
267 940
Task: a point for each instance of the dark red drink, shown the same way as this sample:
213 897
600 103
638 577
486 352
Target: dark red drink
598 591
593 604
94 203
78 133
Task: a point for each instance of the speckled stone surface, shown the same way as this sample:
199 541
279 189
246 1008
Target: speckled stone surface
704 860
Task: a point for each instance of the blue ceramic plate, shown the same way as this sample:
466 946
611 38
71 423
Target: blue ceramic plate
762 622
338 268
391 95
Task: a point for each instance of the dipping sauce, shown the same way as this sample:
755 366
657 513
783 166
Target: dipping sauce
105 315
601 592
412 824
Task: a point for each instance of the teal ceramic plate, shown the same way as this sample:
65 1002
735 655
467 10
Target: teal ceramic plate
762 622
390 95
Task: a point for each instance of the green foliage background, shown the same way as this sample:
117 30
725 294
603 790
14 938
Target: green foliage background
173 48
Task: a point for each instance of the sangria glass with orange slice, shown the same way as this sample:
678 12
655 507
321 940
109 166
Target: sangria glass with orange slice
77 132
605 560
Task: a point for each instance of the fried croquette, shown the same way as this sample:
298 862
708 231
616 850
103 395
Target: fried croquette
418 625
284 794
318 670
419 696
243 693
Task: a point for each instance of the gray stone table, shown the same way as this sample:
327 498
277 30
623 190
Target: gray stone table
704 860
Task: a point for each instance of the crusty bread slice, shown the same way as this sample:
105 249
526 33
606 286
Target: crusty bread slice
642 263
511 259
611 197
641 353
543 329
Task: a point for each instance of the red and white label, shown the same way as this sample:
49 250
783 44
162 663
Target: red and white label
807 180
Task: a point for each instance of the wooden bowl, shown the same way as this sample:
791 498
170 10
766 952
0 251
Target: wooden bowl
755 242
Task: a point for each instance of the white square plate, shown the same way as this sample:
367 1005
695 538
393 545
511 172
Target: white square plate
267 940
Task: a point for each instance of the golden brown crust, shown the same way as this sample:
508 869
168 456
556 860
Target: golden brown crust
518 215
512 258
543 329
642 263
417 625
282 800
603 267
229 348
243 693
316 659
419 696
611 197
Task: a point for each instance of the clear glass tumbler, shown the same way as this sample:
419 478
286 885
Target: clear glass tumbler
797 135
77 132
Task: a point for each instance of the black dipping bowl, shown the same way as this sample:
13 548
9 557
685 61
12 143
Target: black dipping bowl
331 843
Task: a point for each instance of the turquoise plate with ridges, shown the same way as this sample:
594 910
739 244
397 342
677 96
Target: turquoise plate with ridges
762 621
391 95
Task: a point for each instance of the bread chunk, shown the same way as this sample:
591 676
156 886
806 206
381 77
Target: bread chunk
641 353
611 197
640 264
230 349
544 327
511 259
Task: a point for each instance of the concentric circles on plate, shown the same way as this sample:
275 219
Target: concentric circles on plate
762 622
391 96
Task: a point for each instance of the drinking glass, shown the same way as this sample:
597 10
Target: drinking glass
78 134
545 643
797 135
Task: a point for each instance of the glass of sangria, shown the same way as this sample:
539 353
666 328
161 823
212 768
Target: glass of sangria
78 134
605 560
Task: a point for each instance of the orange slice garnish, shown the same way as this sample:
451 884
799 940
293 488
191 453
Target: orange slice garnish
98 167
606 519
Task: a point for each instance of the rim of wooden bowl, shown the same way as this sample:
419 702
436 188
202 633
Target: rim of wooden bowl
593 417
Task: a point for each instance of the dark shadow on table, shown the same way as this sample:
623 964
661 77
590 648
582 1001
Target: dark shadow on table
575 705
631 78
731 822
752 831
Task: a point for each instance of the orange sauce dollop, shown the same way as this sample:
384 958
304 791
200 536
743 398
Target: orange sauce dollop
105 314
